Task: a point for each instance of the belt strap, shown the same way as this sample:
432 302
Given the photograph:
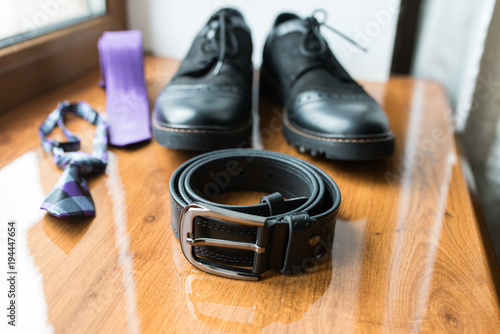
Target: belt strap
286 231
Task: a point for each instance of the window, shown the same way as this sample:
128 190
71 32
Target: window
44 43
21 20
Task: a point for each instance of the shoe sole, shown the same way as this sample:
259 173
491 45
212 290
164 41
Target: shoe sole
338 148
331 148
201 139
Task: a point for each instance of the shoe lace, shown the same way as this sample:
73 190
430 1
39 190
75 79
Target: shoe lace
217 37
314 26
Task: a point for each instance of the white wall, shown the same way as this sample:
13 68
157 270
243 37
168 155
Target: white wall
169 27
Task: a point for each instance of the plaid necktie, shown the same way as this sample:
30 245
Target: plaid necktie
71 196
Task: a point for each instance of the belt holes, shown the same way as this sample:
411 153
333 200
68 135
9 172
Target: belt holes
271 175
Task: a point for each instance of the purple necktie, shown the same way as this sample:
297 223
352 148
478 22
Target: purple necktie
122 69
71 196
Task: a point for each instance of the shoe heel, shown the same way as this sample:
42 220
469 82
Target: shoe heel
269 88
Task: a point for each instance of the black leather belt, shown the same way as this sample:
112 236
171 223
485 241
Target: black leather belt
289 228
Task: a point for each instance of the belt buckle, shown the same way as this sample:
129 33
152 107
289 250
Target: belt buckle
188 240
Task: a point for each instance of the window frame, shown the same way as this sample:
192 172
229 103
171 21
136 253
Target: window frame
34 66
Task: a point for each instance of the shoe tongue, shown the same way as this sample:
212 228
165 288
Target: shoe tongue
284 17
228 11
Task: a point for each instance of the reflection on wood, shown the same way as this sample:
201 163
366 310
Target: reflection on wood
408 253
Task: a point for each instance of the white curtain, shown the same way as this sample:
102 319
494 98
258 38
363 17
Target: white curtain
458 45
482 130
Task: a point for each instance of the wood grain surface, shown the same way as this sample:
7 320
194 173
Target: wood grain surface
409 254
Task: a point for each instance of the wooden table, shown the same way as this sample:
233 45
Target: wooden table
409 254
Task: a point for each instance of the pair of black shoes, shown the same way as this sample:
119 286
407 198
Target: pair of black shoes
207 105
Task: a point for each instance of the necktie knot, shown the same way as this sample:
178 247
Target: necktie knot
85 162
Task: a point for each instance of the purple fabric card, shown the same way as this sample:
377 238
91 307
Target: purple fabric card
122 69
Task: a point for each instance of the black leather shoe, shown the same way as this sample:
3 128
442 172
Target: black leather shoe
207 105
325 110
